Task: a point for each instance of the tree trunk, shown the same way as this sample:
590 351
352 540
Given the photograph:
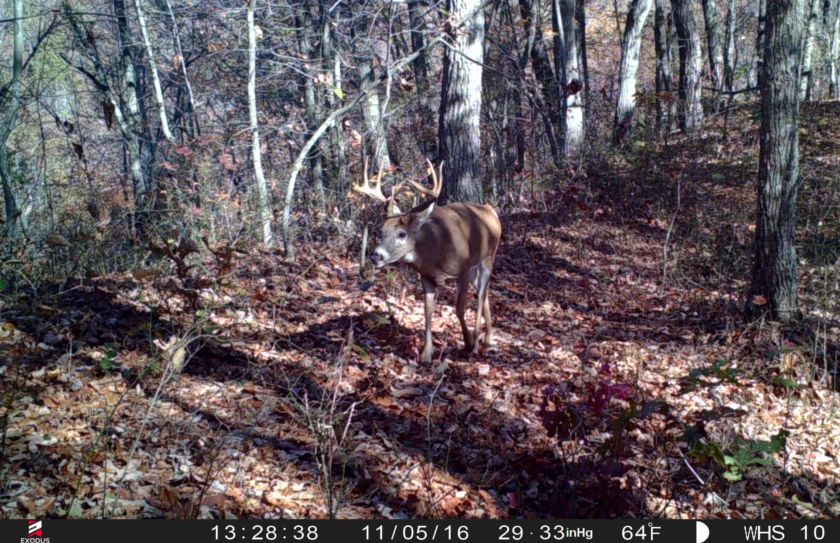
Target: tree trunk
559 46
130 119
333 98
377 142
774 280
807 81
755 74
459 134
729 59
573 81
630 48
263 205
421 74
580 16
834 50
10 100
305 24
543 72
164 122
665 98
691 65
714 45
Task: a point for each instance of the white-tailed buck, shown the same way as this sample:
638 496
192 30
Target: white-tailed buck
453 241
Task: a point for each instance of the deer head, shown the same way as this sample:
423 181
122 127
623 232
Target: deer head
399 231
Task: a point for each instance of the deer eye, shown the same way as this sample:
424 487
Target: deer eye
401 234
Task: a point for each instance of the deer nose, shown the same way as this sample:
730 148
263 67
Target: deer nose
375 257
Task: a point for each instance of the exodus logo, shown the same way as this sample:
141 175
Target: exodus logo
36 533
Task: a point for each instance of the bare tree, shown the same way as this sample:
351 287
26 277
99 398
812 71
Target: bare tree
729 58
755 72
304 27
691 65
531 11
263 205
630 47
714 44
807 81
662 30
10 100
420 67
572 81
150 54
774 280
833 23
459 133
123 92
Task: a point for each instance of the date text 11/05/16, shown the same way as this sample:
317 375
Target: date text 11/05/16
410 532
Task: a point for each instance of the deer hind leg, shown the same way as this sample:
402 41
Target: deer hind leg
461 306
482 280
429 307
488 321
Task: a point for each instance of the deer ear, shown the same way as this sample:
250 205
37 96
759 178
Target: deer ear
422 216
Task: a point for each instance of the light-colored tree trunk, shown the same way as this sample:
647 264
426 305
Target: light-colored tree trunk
372 114
573 81
164 122
263 204
459 130
630 47
691 65
774 281
176 36
834 51
807 81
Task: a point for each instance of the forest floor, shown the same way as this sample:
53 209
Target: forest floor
623 381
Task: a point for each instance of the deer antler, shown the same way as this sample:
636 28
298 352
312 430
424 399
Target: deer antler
437 182
371 187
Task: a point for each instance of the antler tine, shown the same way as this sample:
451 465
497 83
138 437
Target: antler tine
374 190
434 192
436 179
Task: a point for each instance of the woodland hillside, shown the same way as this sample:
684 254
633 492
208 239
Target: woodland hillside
194 322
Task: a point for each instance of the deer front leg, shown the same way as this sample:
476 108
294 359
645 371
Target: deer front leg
429 307
461 307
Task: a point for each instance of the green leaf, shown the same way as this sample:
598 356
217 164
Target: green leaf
786 382
338 91
3 284
732 476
